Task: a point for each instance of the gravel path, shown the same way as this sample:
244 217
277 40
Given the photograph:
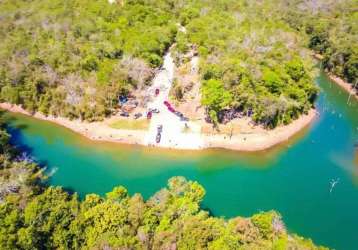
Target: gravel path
173 134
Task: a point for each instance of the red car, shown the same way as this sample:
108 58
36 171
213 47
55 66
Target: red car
156 91
166 103
171 109
149 115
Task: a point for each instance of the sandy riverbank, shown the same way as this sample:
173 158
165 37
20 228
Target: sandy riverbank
339 81
260 139
343 84
95 130
255 141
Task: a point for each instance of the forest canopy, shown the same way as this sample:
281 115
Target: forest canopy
258 59
75 58
332 30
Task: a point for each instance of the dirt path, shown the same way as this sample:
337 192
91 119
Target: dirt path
175 133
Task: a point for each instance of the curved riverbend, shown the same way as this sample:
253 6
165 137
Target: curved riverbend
174 134
292 178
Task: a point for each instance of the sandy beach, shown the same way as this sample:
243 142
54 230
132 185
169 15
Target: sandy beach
339 81
100 131
259 139
343 84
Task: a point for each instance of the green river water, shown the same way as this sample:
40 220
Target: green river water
293 178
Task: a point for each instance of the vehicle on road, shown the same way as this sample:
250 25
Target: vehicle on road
166 103
156 91
159 133
149 115
124 114
184 119
155 111
181 116
157 138
137 115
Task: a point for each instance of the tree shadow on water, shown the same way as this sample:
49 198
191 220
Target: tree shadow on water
70 191
26 153
206 208
17 138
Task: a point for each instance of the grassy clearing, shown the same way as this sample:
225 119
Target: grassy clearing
141 124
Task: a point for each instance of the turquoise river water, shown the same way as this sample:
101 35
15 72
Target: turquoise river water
292 178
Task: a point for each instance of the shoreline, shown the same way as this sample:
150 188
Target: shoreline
343 84
337 80
97 131
245 142
259 141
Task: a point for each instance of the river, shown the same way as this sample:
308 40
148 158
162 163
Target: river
292 178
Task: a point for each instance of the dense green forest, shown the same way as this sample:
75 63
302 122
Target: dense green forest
34 216
74 58
250 61
332 29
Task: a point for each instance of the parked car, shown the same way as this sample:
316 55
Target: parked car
166 103
171 109
184 119
124 114
149 115
156 111
156 91
159 133
158 137
122 99
137 115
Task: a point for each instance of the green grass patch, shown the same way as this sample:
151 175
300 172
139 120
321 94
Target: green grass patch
141 124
